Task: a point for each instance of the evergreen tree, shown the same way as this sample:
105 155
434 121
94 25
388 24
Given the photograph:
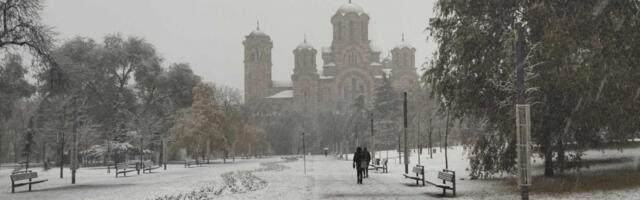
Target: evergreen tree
386 108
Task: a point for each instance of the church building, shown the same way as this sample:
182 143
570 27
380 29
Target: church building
351 67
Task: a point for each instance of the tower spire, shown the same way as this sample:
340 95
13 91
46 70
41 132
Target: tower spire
402 36
258 25
305 38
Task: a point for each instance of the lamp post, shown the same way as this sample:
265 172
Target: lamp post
304 155
406 152
523 121
373 138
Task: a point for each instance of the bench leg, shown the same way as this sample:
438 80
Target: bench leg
13 187
29 185
444 191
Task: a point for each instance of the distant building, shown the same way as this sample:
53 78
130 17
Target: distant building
352 67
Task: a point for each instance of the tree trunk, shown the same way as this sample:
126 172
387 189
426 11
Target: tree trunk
561 158
548 155
548 163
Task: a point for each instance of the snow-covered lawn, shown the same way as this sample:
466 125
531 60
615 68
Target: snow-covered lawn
325 178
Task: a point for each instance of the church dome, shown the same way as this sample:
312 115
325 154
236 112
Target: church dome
257 32
404 45
304 45
350 8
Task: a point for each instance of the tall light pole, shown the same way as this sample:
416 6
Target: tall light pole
406 151
373 138
523 124
74 146
304 155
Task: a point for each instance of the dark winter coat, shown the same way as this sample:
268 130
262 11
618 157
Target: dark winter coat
358 158
367 156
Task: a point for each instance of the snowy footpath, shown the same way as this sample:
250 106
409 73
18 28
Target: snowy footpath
276 178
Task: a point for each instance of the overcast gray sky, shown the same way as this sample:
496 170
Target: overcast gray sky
208 34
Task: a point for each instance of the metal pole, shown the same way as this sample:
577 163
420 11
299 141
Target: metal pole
519 53
373 140
74 152
446 135
164 153
406 151
304 155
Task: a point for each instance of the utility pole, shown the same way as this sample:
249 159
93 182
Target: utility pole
61 142
446 136
523 126
419 145
74 146
164 153
430 144
304 155
373 139
141 152
406 149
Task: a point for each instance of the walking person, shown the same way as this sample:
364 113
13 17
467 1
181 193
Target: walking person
367 158
358 162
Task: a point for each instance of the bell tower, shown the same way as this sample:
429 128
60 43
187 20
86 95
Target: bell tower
257 66
305 77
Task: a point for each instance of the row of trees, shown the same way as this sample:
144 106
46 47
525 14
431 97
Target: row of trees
581 72
117 95
126 102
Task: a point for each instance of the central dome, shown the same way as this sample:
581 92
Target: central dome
350 8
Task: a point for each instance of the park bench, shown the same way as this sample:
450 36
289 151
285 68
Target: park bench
379 164
446 175
419 171
18 177
124 168
148 166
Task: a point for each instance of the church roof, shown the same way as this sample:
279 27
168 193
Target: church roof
285 94
404 45
350 8
304 45
258 32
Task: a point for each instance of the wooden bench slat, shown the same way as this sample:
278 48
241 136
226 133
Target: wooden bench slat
445 176
24 176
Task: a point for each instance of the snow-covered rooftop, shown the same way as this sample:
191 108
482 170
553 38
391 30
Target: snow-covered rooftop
282 95
281 84
304 45
404 45
331 64
350 8
257 32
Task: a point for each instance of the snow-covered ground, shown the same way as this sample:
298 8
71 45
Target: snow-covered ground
275 178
